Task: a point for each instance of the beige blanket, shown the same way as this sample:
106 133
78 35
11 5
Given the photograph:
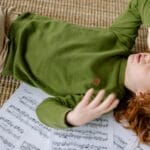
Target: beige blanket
7 16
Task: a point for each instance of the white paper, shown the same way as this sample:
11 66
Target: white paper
123 139
20 128
96 135
141 146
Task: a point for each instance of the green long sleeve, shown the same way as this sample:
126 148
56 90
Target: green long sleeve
126 25
143 8
52 111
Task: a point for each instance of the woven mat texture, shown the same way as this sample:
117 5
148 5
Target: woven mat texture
91 13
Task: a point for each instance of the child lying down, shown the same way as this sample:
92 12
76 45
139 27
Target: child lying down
88 70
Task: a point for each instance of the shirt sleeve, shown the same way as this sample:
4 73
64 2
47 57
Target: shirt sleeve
144 10
126 25
52 111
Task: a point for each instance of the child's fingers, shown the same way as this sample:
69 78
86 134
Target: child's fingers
97 100
112 106
106 103
87 97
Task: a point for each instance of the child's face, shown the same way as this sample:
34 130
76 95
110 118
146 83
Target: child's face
137 76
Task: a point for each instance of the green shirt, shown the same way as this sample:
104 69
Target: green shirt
65 60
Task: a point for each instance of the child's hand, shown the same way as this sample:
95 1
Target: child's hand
148 39
88 110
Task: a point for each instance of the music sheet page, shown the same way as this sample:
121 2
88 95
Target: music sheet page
97 135
20 128
125 139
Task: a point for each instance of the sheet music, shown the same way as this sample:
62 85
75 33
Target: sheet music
141 146
125 139
97 135
20 128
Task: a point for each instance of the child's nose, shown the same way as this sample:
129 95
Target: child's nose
147 58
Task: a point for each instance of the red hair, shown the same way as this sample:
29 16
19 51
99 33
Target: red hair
136 111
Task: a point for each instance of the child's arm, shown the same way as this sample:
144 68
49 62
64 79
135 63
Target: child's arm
74 110
126 26
88 110
52 111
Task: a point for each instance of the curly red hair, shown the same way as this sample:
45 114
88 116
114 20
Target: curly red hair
136 111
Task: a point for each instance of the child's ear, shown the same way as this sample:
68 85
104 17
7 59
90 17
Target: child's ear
148 39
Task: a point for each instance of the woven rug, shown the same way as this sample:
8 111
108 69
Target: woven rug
89 13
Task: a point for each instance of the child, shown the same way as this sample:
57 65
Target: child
88 70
